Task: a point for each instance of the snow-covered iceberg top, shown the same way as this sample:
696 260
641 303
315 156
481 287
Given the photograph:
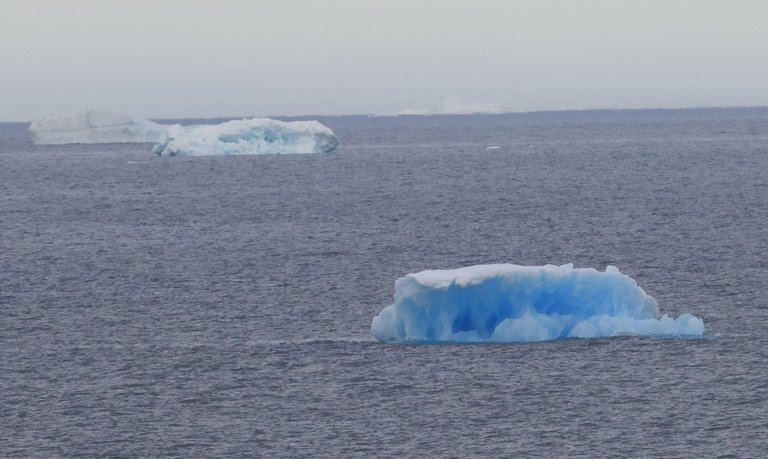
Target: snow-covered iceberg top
94 126
248 137
511 303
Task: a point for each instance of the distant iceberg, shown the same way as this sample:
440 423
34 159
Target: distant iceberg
94 126
511 303
248 137
455 106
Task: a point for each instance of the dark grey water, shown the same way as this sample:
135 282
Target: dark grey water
220 306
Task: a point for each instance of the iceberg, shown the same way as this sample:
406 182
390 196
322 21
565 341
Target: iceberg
248 137
456 106
512 303
94 126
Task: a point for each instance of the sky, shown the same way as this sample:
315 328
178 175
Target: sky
167 58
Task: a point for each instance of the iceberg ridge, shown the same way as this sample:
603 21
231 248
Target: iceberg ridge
512 303
94 126
248 137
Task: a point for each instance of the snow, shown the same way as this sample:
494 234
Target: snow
248 137
512 303
94 126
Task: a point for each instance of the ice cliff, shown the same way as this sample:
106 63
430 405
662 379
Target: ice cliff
94 126
511 303
248 137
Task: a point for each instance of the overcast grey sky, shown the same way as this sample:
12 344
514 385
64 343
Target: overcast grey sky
164 58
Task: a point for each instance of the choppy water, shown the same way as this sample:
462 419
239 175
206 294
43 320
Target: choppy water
220 306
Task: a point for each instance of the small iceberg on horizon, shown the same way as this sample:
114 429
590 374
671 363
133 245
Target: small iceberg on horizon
253 136
511 303
94 126
450 105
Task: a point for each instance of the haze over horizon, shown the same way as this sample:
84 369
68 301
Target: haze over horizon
270 58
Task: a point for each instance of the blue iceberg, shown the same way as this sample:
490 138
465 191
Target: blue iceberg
253 136
511 303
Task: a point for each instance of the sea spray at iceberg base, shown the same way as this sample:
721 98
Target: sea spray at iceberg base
248 137
511 303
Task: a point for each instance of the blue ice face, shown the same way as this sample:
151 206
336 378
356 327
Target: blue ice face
509 303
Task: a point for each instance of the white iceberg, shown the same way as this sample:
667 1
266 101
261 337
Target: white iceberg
248 137
94 126
511 303
456 106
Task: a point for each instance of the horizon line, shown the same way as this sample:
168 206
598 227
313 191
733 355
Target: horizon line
393 115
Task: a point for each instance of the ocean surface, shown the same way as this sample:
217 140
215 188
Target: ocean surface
221 306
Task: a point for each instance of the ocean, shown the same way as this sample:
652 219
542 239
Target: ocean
221 306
